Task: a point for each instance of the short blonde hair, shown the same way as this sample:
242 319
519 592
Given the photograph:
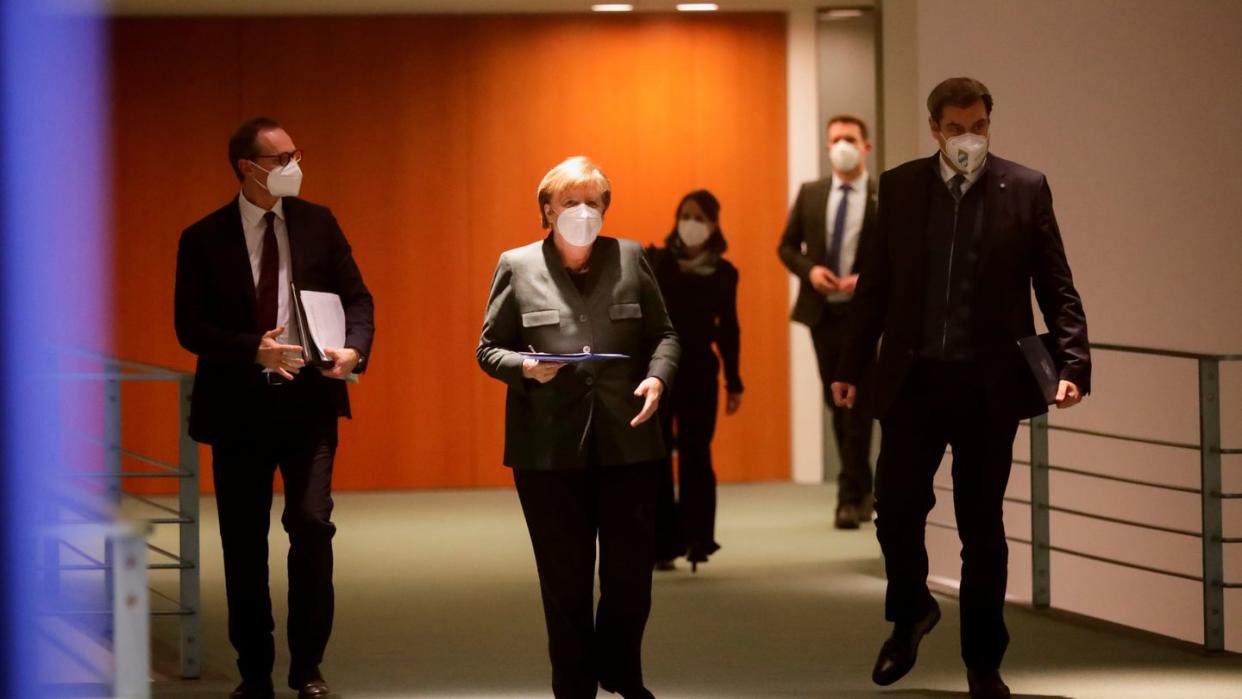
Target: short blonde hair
572 172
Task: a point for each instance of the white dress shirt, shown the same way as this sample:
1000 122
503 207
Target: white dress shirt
857 203
947 172
254 226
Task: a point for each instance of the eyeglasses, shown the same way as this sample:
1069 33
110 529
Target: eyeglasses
283 158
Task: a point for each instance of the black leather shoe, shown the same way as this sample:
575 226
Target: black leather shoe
847 517
640 693
986 684
253 690
866 510
901 650
311 685
697 555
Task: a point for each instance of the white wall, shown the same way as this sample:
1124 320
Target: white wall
1132 110
808 109
806 401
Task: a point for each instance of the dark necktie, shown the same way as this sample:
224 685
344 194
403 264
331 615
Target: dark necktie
838 231
266 291
955 186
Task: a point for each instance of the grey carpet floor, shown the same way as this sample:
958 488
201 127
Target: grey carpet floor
437 598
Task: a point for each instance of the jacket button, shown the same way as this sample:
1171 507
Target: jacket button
590 381
582 318
586 349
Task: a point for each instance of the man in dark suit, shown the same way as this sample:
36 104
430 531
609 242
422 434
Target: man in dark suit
823 238
257 407
962 238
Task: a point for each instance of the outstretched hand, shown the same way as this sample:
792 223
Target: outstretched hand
651 388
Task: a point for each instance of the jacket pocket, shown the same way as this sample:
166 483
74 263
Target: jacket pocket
536 319
625 311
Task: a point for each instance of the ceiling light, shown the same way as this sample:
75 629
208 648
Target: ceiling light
833 15
613 7
697 7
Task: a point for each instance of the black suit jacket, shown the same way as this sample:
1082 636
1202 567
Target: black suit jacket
805 243
533 302
1020 248
215 316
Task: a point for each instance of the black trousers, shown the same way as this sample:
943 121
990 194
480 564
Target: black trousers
244 470
852 428
941 405
566 511
687 523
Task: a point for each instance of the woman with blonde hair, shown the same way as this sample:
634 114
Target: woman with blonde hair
579 436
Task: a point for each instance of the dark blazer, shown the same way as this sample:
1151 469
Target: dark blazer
805 243
534 303
1020 248
215 315
703 309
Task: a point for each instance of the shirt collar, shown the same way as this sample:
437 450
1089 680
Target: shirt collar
947 172
858 185
252 215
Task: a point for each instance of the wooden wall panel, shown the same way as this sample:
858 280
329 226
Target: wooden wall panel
427 136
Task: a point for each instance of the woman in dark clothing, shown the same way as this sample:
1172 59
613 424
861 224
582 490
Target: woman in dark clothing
579 436
700 292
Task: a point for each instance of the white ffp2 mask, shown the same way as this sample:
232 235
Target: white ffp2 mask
966 152
285 181
845 156
579 225
693 233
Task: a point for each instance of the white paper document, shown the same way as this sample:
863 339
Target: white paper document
325 321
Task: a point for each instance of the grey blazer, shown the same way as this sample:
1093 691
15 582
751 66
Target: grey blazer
804 243
533 302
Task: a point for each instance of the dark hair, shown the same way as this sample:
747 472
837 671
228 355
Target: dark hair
850 119
957 92
711 208
244 143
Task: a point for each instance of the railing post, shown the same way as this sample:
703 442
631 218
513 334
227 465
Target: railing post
1213 544
112 466
112 435
131 637
188 506
1041 538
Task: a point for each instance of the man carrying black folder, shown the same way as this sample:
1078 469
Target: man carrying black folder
962 238
235 309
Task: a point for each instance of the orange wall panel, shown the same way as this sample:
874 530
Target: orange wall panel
427 136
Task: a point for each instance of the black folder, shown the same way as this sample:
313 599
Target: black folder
1038 349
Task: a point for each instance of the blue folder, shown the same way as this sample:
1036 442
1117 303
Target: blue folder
572 358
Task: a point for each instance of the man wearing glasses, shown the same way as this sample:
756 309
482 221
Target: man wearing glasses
258 406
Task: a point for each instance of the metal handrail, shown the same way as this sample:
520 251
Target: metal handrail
1126 438
1117 479
1127 522
1210 492
126 634
113 373
1159 352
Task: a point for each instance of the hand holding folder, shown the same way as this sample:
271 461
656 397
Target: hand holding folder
575 358
1039 351
543 366
320 320
1043 369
